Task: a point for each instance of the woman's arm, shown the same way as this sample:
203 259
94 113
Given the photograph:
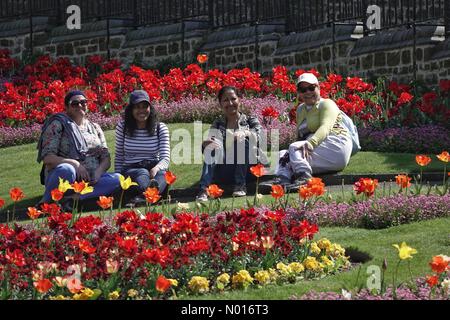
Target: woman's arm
328 114
119 154
164 147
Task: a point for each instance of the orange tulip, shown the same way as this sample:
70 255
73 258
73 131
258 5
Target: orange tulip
432 280
33 213
202 58
105 202
170 177
2 202
305 192
162 284
277 191
214 191
422 160
86 246
316 186
56 194
444 156
366 186
258 170
43 285
151 195
403 180
82 187
439 264
16 194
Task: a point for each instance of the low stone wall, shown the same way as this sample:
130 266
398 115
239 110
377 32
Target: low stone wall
386 53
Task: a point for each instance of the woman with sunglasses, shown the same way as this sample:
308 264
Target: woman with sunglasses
323 141
74 149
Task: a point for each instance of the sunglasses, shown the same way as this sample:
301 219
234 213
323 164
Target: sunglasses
79 102
305 89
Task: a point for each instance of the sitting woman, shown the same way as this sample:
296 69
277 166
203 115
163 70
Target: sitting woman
324 142
142 145
74 149
232 146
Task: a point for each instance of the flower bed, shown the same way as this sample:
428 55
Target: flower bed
31 93
424 139
419 291
376 213
154 256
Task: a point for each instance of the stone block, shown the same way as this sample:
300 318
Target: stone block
68 49
249 56
220 52
228 51
305 58
393 58
60 49
92 49
81 50
419 54
240 57
115 43
149 51
161 50
367 61
267 50
380 59
244 49
174 47
406 56
326 53
343 49
316 56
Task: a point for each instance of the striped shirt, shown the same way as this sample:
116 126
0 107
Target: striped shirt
142 146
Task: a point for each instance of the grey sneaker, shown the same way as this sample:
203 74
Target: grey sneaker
239 191
299 180
202 196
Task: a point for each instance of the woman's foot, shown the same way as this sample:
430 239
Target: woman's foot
299 180
239 191
202 196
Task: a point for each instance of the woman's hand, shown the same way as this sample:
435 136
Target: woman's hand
306 149
212 143
82 173
97 175
153 172
241 135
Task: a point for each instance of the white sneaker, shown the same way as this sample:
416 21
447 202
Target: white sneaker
202 196
239 192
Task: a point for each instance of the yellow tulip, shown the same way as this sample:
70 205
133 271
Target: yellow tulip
404 251
126 183
64 185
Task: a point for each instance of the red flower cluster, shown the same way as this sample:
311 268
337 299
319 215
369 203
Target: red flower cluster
138 247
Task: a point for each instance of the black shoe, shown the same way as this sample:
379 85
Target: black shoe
299 180
154 184
67 204
280 180
136 202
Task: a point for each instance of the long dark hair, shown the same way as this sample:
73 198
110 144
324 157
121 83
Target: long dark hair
130 124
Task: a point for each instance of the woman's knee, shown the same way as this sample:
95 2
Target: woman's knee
66 171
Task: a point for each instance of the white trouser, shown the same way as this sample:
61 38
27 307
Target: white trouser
332 155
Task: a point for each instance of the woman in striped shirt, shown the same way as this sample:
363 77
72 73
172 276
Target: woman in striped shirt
142 145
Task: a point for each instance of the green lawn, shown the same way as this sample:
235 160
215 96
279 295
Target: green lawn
20 169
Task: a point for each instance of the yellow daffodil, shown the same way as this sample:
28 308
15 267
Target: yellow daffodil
404 251
114 295
126 183
64 185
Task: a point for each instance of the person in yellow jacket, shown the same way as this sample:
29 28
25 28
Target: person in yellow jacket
323 142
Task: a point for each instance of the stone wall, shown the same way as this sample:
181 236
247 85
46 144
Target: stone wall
386 53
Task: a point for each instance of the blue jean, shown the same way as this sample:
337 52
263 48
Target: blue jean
142 177
226 173
106 185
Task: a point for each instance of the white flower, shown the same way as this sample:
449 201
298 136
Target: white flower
346 294
182 206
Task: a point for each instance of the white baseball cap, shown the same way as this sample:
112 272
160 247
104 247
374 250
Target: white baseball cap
308 78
